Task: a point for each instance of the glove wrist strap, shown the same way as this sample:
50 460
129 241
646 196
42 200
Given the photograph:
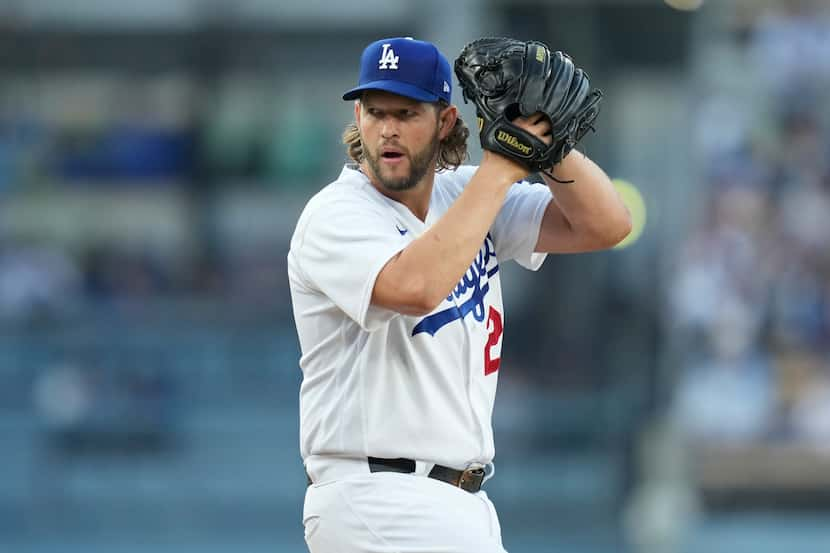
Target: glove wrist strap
502 136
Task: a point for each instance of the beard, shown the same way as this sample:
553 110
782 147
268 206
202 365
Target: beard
419 164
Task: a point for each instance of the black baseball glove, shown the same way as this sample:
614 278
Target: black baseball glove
507 78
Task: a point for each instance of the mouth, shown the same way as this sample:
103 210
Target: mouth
391 155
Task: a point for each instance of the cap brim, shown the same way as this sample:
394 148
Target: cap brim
395 87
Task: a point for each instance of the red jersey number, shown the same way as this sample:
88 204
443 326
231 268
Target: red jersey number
492 350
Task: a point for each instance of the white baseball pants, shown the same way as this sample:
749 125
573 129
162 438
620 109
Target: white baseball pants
387 512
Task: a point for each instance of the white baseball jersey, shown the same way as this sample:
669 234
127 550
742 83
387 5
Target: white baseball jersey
379 383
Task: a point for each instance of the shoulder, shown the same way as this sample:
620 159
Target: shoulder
350 189
350 194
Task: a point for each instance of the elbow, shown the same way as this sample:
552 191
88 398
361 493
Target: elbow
416 299
405 289
419 310
614 230
621 228
423 304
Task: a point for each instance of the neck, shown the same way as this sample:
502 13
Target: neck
416 199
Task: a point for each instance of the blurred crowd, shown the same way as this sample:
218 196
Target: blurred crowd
42 282
749 299
103 127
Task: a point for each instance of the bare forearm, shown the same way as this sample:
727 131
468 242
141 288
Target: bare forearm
588 200
427 270
445 251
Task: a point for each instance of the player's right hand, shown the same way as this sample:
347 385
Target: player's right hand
537 124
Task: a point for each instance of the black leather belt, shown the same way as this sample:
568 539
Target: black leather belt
469 480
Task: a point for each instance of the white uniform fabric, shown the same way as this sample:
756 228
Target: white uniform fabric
387 512
381 384
378 383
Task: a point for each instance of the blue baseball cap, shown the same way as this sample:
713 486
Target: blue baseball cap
404 66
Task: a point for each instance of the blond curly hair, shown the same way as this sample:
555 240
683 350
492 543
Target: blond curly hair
451 153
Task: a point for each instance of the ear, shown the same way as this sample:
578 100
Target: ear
357 112
446 121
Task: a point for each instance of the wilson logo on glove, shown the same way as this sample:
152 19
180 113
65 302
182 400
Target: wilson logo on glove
513 143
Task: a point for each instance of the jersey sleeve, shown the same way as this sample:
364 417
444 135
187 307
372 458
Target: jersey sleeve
340 252
516 228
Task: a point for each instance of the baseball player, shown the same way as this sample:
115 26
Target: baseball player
396 292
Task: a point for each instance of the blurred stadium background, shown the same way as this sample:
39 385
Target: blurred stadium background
672 396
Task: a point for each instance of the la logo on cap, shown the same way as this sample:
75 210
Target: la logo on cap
388 59
410 68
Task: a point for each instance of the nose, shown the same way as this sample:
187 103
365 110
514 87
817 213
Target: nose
389 128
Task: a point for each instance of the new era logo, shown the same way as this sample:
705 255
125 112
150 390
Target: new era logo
446 86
